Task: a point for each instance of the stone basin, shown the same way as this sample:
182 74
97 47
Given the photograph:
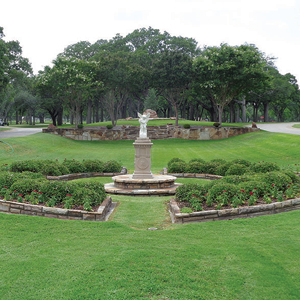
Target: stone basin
158 185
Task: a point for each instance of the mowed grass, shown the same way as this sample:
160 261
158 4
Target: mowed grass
257 146
241 259
253 258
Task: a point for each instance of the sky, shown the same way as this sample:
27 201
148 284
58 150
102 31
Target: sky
45 28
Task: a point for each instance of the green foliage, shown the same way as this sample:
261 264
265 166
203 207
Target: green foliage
195 167
177 167
264 167
186 126
186 210
236 169
109 126
279 179
74 166
80 126
112 166
93 165
216 124
243 162
200 160
175 159
221 192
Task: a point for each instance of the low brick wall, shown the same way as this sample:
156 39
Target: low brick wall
58 213
101 133
230 214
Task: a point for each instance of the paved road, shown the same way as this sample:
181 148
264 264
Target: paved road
279 127
18 132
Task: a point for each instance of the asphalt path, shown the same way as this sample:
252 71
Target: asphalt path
279 127
18 132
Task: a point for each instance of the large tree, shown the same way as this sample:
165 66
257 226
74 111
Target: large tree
228 71
171 76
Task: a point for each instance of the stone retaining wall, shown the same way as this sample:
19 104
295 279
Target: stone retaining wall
58 213
230 214
128 132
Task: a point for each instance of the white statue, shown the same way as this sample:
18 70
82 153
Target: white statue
143 121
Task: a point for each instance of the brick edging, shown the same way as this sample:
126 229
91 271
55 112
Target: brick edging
58 213
234 213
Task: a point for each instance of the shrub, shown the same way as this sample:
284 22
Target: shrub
264 167
211 168
112 166
221 169
177 167
236 169
243 162
27 165
219 190
216 124
292 175
80 126
186 126
184 192
74 166
219 161
279 179
25 186
109 126
200 160
235 179
258 187
195 167
94 165
175 159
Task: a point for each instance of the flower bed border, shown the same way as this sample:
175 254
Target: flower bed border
231 214
11 207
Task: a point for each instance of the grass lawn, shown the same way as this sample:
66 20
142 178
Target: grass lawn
256 146
253 258
296 125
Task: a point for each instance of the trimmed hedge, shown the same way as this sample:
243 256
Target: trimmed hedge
54 168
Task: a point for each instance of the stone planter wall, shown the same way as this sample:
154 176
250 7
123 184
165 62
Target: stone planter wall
101 133
58 213
230 214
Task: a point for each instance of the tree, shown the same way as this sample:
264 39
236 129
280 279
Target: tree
171 76
228 71
75 80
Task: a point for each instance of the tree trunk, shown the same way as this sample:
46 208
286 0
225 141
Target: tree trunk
17 117
60 116
244 120
89 112
266 112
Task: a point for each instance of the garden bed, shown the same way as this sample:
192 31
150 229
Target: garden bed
231 213
98 214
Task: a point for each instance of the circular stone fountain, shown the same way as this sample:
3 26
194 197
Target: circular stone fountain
142 182
161 185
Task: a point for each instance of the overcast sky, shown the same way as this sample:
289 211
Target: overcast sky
45 28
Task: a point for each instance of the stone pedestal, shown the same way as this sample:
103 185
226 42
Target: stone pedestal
142 163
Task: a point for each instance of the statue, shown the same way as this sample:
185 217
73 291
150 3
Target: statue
143 121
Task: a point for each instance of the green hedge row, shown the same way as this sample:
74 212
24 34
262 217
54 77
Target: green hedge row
55 168
237 190
35 188
220 167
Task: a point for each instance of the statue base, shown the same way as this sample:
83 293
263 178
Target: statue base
142 163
